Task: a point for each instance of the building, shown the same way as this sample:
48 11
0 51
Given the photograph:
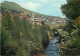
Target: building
37 21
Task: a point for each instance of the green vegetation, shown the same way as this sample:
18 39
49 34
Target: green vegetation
71 9
71 32
19 38
11 5
70 43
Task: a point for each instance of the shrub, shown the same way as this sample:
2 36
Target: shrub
19 38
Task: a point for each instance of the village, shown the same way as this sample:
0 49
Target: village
37 18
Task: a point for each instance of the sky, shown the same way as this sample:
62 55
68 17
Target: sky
47 7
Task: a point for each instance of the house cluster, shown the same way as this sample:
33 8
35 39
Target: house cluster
36 18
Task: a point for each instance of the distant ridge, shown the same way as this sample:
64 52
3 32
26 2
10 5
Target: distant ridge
14 6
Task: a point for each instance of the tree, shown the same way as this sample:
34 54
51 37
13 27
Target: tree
71 9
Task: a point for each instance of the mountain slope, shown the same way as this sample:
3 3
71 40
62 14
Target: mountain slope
13 6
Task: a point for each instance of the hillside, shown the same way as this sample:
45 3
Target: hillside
13 6
33 15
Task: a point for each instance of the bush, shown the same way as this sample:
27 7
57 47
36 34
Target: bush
19 38
72 44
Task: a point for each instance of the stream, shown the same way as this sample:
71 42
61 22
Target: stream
53 47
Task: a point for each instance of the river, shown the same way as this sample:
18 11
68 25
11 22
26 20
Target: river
53 47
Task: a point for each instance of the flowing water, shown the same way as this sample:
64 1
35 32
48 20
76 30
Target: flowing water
53 47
